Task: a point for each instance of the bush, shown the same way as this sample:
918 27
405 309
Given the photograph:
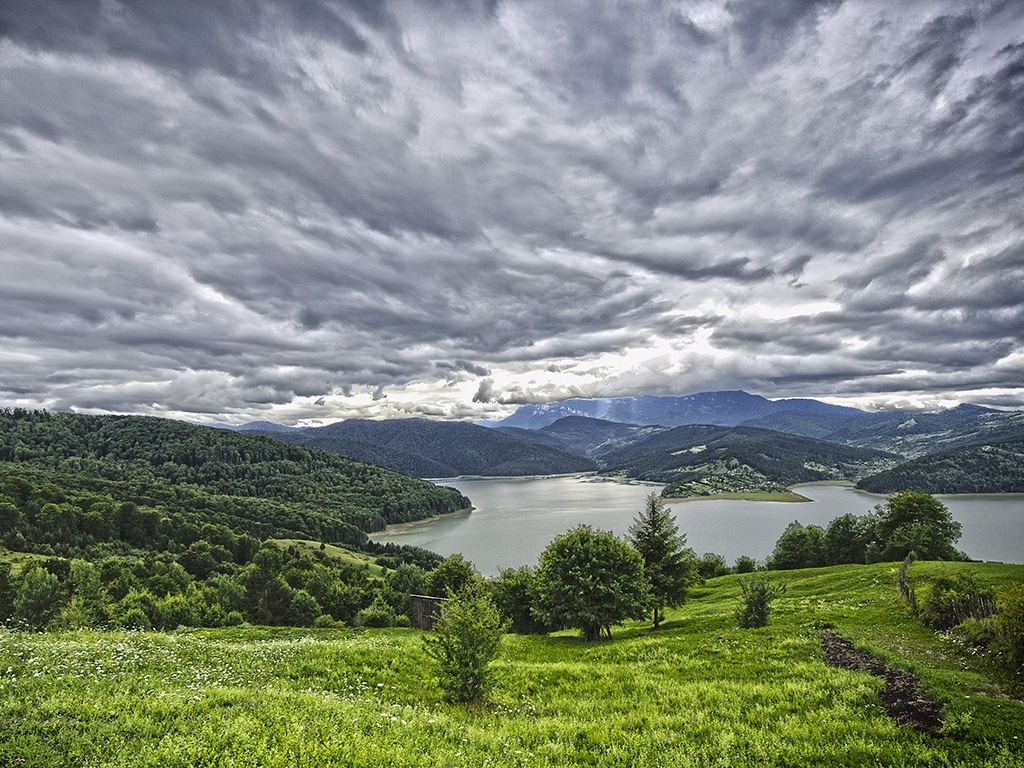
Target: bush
712 565
1009 626
377 614
745 564
758 595
516 593
38 599
466 640
975 633
951 600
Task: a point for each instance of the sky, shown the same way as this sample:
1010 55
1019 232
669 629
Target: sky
308 210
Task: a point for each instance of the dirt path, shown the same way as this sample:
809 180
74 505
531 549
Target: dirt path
903 699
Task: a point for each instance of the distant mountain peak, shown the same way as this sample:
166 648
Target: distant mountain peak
719 407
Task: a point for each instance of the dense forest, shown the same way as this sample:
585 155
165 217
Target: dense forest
139 521
990 468
425 448
261 484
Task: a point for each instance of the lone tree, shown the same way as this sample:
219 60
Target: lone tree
590 580
668 565
916 521
466 639
758 595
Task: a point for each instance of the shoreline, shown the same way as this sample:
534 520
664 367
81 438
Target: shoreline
787 497
396 529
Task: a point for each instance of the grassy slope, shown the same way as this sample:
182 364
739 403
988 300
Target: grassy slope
700 692
361 559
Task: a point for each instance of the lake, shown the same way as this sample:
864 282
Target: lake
514 519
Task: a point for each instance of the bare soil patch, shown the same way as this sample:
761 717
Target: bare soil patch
903 698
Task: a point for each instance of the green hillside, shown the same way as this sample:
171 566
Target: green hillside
991 468
699 692
915 435
427 448
245 481
708 460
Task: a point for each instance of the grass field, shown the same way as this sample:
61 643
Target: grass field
698 692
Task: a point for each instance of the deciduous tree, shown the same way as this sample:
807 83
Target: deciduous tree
916 521
591 580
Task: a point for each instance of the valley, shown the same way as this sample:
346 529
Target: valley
705 444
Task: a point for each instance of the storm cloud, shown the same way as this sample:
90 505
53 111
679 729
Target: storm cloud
305 210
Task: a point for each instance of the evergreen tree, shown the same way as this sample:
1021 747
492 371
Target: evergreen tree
466 639
668 565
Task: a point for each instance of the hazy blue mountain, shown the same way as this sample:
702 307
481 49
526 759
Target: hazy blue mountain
260 427
263 426
823 426
722 408
631 434
584 436
426 448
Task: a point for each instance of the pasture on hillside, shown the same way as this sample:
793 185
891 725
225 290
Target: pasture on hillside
697 692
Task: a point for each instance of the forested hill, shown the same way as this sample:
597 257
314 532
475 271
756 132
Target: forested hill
702 460
247 482
997 468
426 448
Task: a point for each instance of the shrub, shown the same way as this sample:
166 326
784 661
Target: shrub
303 609
1009 626
516 593
758 595
377 614
745 564
38 599
465 641
952 600
975 633
711 565
798 547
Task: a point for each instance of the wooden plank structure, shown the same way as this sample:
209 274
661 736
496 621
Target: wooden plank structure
426 610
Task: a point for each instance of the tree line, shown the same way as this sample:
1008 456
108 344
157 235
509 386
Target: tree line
908 521
253 482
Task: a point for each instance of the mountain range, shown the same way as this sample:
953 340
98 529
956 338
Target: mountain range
754 444
425 448
727 408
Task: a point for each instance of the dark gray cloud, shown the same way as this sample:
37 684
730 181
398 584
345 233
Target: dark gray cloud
310 209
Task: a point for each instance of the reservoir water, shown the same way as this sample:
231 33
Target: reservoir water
514 519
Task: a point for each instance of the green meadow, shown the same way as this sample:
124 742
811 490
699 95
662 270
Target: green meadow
697 692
